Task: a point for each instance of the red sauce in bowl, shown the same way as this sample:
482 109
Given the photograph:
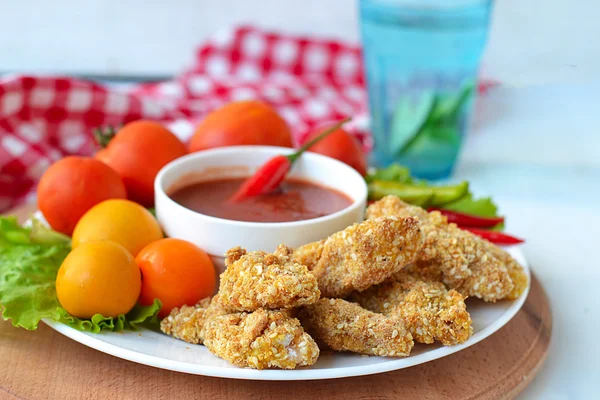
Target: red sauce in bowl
297 200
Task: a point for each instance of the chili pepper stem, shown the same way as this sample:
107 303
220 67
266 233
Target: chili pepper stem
270 175
294 156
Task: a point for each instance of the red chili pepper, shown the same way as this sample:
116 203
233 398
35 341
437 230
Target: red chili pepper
269 176
461 219
494 237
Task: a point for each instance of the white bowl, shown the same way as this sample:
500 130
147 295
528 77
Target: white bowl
217 235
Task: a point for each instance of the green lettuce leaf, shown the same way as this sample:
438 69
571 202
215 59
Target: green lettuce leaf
393 173
29 262
138 316
482 207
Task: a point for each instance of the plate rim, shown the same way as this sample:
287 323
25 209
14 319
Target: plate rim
96 343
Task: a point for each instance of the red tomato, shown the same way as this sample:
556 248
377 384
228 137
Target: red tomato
73 185
241 123
176 272
343 147
137 152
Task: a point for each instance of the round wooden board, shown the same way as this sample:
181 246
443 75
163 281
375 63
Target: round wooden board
46 365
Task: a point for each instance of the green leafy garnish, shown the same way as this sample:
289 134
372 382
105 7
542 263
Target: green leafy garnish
393 173
139 315
409 118
482 207
396 180
440 126
29 261
41 234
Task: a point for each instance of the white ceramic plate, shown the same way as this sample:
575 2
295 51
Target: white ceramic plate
161 351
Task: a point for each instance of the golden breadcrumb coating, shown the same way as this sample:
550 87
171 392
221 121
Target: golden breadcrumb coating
283 251
489 280
440 246
345 326
454 256
428 309
309 254
261 280
515 270
186 322
363 254
261 339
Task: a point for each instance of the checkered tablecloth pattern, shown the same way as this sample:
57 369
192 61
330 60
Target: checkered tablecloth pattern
309 81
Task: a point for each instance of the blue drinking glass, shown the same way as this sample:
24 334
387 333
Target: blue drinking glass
422 59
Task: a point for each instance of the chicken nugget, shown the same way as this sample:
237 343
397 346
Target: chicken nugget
515 270
363 254
186 322
441 246
309 254
428 309
345 326
459 259
260 339
261 280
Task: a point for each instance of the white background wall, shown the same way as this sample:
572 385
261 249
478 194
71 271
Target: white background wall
532 41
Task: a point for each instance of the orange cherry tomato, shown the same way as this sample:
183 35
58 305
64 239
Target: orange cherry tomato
343 147
137 152
73 185
241 123
176 272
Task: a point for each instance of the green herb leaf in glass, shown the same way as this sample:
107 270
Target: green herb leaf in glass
409 118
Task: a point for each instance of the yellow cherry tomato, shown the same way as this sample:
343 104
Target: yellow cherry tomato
99 277
121 221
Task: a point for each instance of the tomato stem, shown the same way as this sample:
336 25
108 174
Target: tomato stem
104 135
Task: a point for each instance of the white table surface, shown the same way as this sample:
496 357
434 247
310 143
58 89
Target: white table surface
537 152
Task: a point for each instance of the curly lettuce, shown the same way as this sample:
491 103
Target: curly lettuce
29 261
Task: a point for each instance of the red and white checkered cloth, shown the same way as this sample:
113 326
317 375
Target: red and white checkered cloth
309 81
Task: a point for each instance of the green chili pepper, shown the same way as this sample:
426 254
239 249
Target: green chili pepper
446 194
417 194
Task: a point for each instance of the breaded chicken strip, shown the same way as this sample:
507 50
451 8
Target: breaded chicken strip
428 309
515 270
309 254
186 322
442 245
261 339
345 326
362 255
456 257
262 280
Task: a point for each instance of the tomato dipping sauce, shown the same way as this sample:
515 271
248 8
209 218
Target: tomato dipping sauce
297 200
